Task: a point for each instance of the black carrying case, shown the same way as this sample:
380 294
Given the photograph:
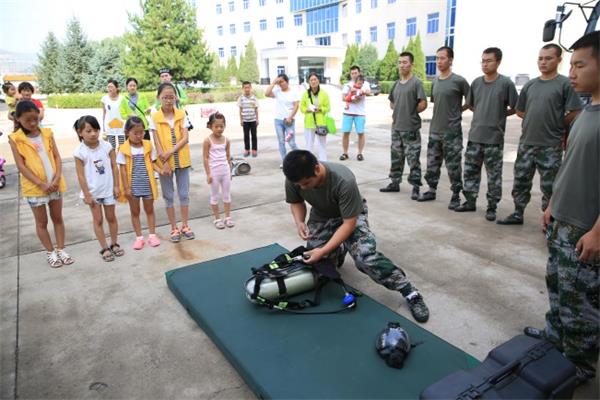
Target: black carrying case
522 368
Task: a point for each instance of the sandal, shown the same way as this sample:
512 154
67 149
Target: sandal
187 232
229 222
175 235
343 157
107 254
360 157
116 249
53 259
64 257
219 223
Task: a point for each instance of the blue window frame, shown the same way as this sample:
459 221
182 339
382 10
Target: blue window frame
298 19
261 3
246 4
247 26
219 9
391 30
280 69
231 6
373 3
220 30
301 5
450 21
232 29
279 22
221 52
433 22
263 24
391 1
233 51
411 26
373 33
430 65
358 6
357 37
323 41
322 20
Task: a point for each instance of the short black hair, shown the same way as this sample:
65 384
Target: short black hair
591 40
79 125
163 86
408 54
6 86
299 164
284 77
24 106
132 122
556 48
213 117
356 67
25 86
244 83
131 80
495 51
448 51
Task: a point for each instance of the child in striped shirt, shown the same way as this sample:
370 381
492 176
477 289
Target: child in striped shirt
248 105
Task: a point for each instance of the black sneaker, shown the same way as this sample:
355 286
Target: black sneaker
427 196
418 308
392 187
533 332
466 206
454 201
415 193
512 219
490 214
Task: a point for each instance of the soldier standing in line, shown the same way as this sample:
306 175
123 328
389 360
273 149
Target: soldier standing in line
407 99
445 134
547 104
572 225
492 98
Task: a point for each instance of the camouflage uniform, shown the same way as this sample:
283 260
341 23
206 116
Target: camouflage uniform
491 156
547 161
445 147
362 247
572 323
406 145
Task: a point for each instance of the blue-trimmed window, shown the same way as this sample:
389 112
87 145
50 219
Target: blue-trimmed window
261 3
373 33
279 22
280 69
233 51
322 21
220 30
358 6
300 5
219 9
246 4
221 52
391 1
247 26
433 22
323 41
232 29
411 26
450 23
373 3
231 6
281 44
263 24
357 37
298 19
391 30
430 65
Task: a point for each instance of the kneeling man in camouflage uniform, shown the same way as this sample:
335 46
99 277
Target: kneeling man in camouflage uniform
338 223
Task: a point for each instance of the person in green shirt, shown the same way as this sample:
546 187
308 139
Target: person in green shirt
166 76
134 105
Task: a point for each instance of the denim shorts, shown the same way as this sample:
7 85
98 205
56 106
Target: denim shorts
106 201
43 200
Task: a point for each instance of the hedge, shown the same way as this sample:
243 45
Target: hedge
386 87
92 100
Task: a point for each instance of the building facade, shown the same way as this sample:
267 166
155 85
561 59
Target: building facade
298 37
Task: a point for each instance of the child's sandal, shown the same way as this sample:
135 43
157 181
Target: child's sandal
116 249
229 222
175 235
53 259
219 223
107 255
64 257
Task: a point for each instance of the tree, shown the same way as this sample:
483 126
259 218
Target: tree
388 68
415 47
105 64
232 68
239 71
367 60
47 65
349 61
249 65
218 73
73 61
166 35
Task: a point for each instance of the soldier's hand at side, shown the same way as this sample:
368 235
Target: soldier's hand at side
546 217
303 231
588 247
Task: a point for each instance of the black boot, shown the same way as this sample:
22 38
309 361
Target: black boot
415 193
466 206
392 187
513 219
427 196
454 201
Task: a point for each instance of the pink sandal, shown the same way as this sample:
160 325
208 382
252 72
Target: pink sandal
219 223
229 222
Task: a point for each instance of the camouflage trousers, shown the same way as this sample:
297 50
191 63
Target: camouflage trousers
490 155
547 161
363 248
573 321
445 147
406 146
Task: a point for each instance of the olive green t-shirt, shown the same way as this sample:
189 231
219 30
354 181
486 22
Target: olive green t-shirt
490 101
406 97
545 103
337 197
576 193
447 96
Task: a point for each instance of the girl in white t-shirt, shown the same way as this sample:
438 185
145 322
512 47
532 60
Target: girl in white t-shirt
97 173
112 123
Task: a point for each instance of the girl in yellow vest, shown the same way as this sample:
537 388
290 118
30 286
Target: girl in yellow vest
42 183
169 127
137 163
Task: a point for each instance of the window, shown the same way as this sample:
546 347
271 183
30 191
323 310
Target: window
299 43
247 26
373 32
280 44
323 41
391 29
322 21
233 51
280 69
220 30
358 6
391 1
232 29
263 24
219 9
411 26
344 39
279 1
261 3
450 21
246 4
373 3
357 37
279 22
433 22
221 52
298 19
430 65
231 6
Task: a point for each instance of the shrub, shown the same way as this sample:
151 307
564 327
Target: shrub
386 87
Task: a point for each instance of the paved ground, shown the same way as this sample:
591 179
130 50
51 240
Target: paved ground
113 330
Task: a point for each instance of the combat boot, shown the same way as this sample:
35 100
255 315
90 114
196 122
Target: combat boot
466 206
513 219
427 196
454 201
415 193
417 306
392 187
490 214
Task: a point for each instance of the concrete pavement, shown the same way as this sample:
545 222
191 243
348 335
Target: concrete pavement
113 330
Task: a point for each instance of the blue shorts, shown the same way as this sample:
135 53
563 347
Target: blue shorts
43 200
359 123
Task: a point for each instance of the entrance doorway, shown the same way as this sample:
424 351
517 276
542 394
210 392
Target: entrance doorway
308 65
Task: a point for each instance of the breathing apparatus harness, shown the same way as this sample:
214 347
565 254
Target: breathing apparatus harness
324 271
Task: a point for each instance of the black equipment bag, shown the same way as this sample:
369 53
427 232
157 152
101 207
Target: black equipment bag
522 368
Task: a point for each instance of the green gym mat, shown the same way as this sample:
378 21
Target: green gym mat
282 355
